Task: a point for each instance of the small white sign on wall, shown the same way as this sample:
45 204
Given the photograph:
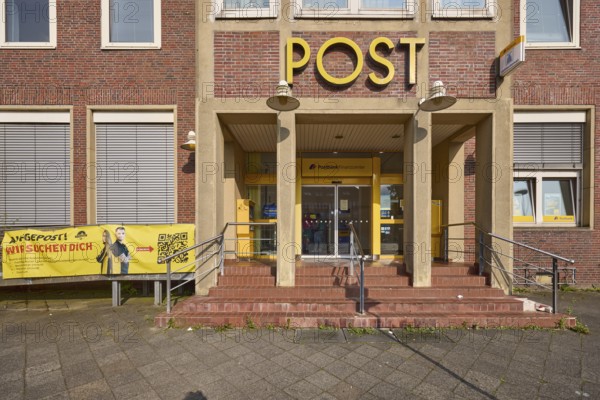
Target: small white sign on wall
512 56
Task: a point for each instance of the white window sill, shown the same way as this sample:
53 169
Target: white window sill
132 46
247 13
323 14
32 46
465 14
520 225
541 46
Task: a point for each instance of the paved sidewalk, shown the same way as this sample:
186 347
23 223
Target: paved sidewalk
84 349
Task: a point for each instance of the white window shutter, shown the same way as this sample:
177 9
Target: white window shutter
35 175
135 173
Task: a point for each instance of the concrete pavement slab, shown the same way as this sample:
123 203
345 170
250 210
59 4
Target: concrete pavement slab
109 353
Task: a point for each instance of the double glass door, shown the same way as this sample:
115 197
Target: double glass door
326 214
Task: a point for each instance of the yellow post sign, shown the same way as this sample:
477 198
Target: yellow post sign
92 250
292 65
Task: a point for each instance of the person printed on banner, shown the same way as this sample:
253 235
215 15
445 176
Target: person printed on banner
104 257
120 250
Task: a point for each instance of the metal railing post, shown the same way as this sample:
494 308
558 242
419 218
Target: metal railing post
362 285
445 242
554 284
222 256
481 247
351 252
169 287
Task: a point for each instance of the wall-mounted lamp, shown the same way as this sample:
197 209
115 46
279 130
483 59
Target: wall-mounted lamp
283 99
191 142
437 99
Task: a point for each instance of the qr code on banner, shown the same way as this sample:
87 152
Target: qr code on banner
172 243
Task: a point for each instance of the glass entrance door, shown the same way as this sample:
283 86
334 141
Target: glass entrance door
326 214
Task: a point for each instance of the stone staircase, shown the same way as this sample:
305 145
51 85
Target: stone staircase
326 295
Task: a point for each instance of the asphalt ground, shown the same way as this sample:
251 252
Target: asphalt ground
71 344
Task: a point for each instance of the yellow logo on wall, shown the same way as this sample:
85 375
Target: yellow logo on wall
92 250
336 168
559 218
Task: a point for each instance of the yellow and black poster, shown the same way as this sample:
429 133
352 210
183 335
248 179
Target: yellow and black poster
92 250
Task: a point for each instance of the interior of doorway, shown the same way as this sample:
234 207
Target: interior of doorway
327 211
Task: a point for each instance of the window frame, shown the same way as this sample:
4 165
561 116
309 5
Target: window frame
575 33
47 115
105 30
354 11
538 178
128 115
248 12
489 11
52 22
583 173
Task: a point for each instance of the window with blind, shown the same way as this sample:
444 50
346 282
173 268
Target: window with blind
135 173
549 162
548 143
35 173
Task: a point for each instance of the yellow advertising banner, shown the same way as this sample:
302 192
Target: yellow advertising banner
92 250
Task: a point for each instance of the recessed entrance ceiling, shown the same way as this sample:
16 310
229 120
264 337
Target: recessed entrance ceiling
343 133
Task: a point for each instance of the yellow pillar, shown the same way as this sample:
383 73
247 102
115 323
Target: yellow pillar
210 221
376 210
286 199
417 198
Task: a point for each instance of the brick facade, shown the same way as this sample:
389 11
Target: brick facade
246 64
465 62
566 77
79 73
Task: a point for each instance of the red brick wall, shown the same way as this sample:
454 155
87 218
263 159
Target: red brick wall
246 64
80 74
340 61
566 77
465 62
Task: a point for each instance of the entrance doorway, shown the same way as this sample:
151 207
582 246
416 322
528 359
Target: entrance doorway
326 214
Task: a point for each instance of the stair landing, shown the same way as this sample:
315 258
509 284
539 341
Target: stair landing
325 294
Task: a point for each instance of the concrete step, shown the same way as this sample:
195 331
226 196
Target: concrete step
270 305
397 305
455 270
451 280
246 281
329 270
332 292
375 320
256 270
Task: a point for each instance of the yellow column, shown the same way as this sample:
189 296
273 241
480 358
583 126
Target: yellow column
376 210
417 198
286 199
493 189
209 190
298 229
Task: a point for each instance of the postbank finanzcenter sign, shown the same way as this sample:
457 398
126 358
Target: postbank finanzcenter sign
412 44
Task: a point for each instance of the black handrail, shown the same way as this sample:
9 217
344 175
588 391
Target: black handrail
218 239
361 262
482 260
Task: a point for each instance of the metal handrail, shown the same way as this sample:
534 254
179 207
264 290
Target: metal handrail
569 260
180 252
219 263
482 260
361 262
547 253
